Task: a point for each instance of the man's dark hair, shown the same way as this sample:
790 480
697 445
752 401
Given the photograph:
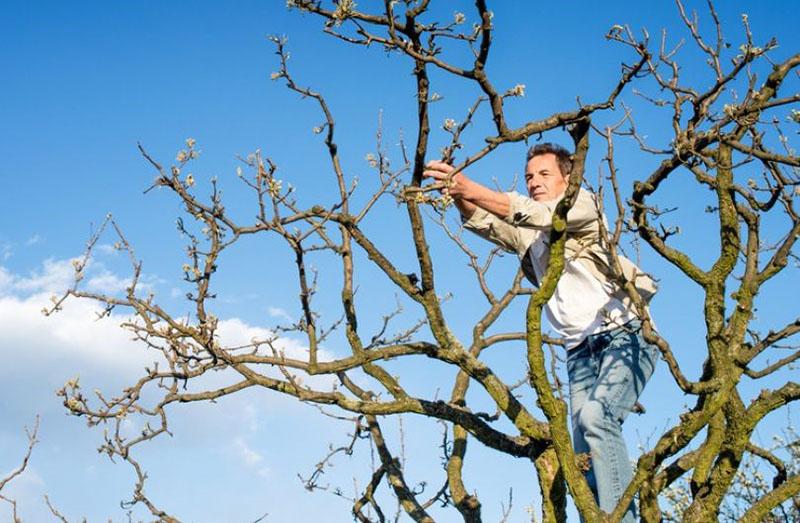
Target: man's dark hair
563 156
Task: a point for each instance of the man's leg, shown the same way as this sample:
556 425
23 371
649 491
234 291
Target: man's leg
582 369
626 362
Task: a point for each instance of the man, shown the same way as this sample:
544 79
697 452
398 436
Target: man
608 361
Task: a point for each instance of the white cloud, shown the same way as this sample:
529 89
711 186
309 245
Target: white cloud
75 334
234 332
109 283
277 312
33 340
54 276
107 249
6 279
46 351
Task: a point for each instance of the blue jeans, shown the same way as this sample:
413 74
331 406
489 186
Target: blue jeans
607 373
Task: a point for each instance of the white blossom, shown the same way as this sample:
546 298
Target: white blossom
443 201
371 160
344 9
274 187
518 90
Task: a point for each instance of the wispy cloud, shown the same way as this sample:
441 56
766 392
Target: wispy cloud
33 240
247 455
250 457
277 312
26 488
107 249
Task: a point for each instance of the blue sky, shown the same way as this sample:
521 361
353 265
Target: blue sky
84 82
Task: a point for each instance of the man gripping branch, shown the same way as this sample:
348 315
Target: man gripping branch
608 360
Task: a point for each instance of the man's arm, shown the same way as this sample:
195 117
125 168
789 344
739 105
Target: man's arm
468 194
514 208
465 207
483 210
527 212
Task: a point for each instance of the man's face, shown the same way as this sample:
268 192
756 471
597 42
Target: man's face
543 178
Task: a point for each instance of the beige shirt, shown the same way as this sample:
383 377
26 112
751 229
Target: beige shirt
586 301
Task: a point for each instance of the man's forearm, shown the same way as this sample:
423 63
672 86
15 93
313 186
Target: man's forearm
491 201
466 208
467 194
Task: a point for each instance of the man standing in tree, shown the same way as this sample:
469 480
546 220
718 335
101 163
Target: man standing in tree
608 360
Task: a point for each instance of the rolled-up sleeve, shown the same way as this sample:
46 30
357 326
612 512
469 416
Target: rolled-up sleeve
527 212
488 226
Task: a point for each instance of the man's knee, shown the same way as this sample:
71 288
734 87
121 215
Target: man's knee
598 418
592 417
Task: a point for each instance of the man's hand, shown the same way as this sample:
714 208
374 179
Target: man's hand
467 195
459 185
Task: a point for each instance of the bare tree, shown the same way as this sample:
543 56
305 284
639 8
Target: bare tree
727 137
